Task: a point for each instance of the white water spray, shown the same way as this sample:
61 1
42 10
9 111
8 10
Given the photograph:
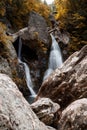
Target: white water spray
27 71
55 58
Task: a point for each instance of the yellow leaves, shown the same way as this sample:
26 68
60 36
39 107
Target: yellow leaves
61 8
42 46
72 15
2 8
2 32
80 25
44 49
38 7
43 10
18 11
36 34
3 37
2 12
78 16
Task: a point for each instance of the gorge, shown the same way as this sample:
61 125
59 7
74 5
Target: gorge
27 72
55 61
43 65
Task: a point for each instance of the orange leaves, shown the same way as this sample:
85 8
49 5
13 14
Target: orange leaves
17 11
3 37
73 18
37 6
2 8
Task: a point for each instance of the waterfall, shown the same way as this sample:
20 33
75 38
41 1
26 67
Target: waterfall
27 70
55 58
19 49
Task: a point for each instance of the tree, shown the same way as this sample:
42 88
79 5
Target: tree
73 17
17 11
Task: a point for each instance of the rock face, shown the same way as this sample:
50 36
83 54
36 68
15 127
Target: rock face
4 66
61 36
74 117
37 30
9 65
46 110
36 44
68 83
15 112
8 58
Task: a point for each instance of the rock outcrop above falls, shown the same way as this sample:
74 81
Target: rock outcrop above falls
68 83
36 43
15 112
36 35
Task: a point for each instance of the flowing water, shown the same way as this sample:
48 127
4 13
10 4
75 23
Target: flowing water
55 58
27 71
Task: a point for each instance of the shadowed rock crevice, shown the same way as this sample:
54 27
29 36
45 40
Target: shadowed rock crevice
36 44
27 53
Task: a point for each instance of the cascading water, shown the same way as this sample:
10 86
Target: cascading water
55 59
27 71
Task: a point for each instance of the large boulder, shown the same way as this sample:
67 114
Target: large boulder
74 117
46 110
37 33
68 83
15 112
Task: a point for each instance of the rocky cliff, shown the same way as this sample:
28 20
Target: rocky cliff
36 44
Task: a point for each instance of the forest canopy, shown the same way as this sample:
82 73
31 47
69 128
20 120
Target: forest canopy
72 15
17 11
15 14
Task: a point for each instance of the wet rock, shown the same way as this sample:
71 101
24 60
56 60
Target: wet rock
8 58
45 109
36 44
15 112
9 65
69 82
62 36
50 128
4 66
74 117
38 40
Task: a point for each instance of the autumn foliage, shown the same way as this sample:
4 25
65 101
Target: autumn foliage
72 15
3 37
17 11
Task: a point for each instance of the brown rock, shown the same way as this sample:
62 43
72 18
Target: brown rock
9 65
15 112
45 109
74 117
36 35
68 83
36 43
50 128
